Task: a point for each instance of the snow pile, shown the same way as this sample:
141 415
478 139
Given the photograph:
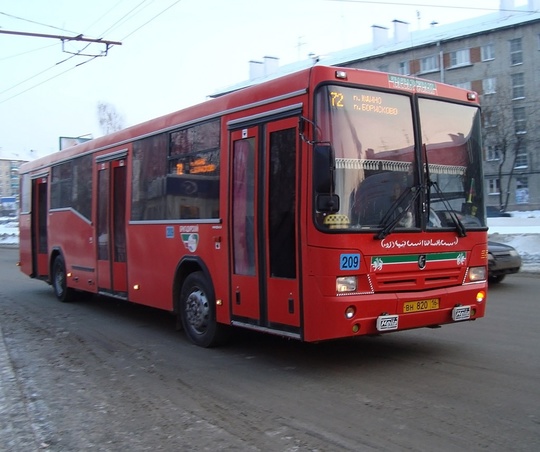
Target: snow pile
9 231
521 230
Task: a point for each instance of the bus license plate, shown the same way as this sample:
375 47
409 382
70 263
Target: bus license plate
461 313
421 305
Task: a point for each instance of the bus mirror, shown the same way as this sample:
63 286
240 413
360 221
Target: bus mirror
328 203
323 167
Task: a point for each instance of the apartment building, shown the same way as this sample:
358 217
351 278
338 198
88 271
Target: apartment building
9 177
498 56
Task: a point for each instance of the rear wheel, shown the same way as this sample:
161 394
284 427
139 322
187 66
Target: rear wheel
59 281
198 311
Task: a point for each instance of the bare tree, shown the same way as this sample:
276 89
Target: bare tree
110 120
504 133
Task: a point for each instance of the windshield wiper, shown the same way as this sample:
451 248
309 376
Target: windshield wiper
388 227
459 225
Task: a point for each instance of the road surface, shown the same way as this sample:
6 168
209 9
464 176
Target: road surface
104 375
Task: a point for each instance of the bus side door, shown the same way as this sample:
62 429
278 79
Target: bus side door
111 227
265 284
40 212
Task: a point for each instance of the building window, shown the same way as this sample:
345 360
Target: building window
520 120
487 52
403 68
464 85
518 86
429 64
460 58
516 53
522 190
522 160
494 186
490 118
493 153
489 85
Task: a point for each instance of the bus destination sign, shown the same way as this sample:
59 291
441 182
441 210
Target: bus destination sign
412 84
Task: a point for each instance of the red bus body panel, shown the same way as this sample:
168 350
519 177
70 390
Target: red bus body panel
160 253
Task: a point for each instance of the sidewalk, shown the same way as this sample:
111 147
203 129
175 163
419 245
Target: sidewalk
16 431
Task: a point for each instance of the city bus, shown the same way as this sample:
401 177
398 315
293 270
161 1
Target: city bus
327 203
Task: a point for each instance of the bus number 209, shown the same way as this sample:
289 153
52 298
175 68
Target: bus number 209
349 262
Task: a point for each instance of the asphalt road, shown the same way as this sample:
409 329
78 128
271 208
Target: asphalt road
102 375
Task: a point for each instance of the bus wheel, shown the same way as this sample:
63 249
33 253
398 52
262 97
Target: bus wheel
198 311
59 281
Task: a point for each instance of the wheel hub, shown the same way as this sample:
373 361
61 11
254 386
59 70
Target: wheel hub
198 310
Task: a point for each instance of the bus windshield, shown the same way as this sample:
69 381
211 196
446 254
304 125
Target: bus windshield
391 172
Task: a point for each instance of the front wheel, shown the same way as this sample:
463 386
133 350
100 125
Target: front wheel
198 311
496 279
59 281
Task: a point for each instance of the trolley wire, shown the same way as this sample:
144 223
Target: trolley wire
35 22
123 19
427 5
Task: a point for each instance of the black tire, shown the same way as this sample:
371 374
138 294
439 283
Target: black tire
59 281
197 310
496 279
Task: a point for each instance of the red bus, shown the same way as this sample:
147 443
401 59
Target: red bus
328 203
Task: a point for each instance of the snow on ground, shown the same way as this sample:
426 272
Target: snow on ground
9 231
521 230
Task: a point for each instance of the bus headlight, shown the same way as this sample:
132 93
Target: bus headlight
346 284
477 273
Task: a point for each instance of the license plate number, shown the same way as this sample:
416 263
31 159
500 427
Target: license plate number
421 305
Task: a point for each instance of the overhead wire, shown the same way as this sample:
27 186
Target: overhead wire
35 22
47 80
42 72
152 19
27 52
126 17
425 5
129 15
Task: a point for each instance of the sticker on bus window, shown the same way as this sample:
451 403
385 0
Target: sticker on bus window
349 262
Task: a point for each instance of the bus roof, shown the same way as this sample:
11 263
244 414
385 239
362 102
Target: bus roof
278 89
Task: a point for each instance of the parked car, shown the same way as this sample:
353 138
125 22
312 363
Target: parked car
492 211
502 260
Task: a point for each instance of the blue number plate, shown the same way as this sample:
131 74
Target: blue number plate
349 262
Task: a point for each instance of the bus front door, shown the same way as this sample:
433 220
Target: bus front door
111 227
265 286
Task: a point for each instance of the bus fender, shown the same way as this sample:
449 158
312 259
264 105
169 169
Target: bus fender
55 252
186 266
